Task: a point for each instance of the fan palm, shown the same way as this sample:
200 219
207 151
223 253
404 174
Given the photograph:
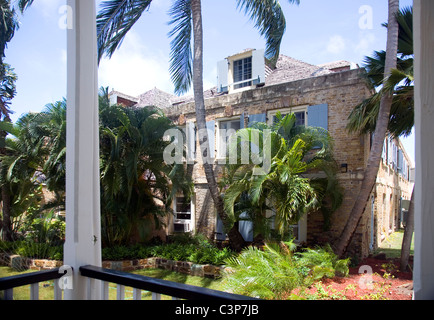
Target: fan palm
286 189
117 17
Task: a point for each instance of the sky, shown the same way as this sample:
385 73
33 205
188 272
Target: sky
317 32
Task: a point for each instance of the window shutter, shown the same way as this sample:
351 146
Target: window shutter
191 141
317 116
258 66
210 126
384 154
261 117
242 121
220 230
245 227
222 76
400 163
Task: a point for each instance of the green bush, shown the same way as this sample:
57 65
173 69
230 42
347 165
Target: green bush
274 271
182 247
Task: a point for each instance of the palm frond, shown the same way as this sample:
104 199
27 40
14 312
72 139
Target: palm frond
269 20
181 59
114 20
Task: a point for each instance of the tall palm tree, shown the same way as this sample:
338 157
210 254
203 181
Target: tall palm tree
8 25
117 17
301 176
374 159
364 116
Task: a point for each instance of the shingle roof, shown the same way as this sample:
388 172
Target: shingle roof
157 98
289 69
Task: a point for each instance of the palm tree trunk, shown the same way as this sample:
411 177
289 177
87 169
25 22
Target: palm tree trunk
408 234
379 136
235 237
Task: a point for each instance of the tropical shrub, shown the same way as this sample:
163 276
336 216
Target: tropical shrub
274 271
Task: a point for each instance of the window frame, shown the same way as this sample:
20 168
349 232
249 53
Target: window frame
218 142
296 109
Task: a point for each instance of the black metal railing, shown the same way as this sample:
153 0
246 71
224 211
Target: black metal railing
158 287
7 284
139 283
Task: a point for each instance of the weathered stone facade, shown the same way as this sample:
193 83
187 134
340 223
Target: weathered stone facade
340 91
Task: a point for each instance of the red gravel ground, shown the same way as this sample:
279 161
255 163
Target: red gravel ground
383 281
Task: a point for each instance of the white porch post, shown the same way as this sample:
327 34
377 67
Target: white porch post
424 131
83 235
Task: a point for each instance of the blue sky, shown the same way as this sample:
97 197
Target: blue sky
317 32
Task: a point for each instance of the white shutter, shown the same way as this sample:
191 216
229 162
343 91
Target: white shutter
191 141
258 66
222 76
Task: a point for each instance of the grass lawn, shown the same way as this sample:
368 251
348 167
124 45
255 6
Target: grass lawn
46 290
391 246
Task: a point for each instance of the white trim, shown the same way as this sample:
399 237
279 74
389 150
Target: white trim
218 121
296 109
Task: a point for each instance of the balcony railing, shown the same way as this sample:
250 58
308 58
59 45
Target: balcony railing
139 283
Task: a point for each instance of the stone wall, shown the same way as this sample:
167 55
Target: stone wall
340 91
21 263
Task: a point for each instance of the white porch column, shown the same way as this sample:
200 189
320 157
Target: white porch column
423 272
83 235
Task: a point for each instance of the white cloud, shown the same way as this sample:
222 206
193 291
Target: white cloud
365 45
336 44
135 68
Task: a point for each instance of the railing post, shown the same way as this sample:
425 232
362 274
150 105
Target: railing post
83 238
34 291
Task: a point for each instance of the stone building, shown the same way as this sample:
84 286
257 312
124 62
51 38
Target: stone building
249 89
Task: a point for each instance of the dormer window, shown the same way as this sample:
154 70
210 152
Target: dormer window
241 71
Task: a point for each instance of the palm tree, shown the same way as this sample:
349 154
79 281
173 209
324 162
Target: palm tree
301 176
364 116
379 134
117 17
20 164
137 186
8 25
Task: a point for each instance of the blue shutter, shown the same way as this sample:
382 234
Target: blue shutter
317 116
262 117
258 66
222 76
210 126
245 227
220 229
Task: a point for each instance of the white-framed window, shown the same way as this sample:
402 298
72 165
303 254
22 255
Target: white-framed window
242 71
183 210
300 113
226 127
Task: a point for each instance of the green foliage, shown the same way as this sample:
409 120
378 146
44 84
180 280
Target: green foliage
196 249
267 274
274 271
33 250
285 190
